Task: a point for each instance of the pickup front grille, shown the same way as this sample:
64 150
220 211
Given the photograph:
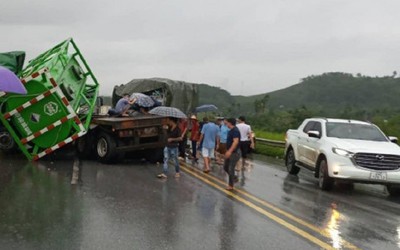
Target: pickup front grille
377 161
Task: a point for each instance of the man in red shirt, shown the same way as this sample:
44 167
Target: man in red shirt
183 127
194 135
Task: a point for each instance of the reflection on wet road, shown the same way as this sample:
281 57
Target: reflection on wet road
70 204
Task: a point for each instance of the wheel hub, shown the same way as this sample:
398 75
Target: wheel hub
102 147
6 141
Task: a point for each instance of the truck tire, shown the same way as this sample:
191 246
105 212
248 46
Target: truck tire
291 163
84 147
7 143
106 148
325 182
393 190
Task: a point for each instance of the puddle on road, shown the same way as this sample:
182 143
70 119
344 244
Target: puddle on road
33 199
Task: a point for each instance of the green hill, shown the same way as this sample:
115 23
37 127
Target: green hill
333 92
328 94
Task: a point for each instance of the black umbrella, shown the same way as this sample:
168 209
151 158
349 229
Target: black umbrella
206 108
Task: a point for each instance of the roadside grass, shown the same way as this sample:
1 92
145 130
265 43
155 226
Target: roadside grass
269 150
269 135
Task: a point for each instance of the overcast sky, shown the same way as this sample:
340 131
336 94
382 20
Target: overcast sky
246 47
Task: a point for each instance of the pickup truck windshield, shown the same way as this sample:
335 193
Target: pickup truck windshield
354 131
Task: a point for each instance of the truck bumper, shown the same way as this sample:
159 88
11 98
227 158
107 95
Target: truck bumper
344 168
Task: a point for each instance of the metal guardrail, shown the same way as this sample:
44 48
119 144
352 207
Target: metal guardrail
272 143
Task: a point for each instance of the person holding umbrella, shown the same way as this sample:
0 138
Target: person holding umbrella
171 149
174 137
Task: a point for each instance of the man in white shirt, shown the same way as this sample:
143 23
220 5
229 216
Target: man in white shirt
246 140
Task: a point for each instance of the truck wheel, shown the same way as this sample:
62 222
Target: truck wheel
291 163
84 147
7 143
393 190
106 148
325 181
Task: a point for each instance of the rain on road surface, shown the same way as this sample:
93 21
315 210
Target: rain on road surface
124 206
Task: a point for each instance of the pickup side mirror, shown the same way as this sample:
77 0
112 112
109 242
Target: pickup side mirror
314 134
393 139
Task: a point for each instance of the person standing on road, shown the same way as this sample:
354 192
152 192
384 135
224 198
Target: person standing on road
202 123
194 136
171 149
223 135
246 140
209 137
232 154
183 126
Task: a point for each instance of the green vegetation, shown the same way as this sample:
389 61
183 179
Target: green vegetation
269 135
270 151
339 95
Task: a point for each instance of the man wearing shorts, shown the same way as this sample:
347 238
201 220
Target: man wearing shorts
208 137
246 140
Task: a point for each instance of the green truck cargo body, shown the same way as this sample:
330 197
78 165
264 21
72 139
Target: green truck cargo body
57 110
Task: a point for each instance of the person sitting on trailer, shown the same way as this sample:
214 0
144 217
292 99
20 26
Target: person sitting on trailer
141 112
122 106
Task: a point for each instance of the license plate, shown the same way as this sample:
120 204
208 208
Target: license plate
381 176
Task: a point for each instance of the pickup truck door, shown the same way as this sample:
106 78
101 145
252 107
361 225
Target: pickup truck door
302 143
311 146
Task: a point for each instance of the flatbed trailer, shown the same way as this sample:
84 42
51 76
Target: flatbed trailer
111 138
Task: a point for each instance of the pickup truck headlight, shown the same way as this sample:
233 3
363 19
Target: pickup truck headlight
342 152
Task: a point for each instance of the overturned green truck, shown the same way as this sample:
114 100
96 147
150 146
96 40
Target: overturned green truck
57 109
61 106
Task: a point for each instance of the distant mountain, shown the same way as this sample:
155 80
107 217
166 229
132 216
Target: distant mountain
326 94
337 91
329 93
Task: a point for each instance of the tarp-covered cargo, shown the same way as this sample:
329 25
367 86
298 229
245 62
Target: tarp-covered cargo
178 94
14 60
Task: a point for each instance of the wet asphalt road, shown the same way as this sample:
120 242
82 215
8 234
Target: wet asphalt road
123 206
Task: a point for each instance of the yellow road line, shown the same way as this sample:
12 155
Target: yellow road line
273 217
321 231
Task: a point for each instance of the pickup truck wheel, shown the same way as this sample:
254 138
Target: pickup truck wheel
106 148
325 181
291 163
393 190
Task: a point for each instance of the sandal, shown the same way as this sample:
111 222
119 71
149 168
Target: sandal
177 175
229 188
206 171
162 176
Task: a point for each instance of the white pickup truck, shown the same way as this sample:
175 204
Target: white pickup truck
352 150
